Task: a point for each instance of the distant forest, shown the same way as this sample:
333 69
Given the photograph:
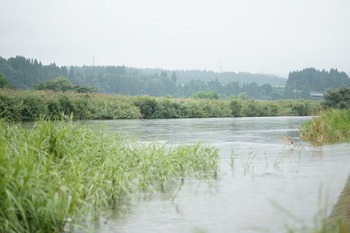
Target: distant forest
24 73
301 84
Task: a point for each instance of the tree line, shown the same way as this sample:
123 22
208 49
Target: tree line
301 83
24 73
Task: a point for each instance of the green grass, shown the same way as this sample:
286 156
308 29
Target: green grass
331 126
53 171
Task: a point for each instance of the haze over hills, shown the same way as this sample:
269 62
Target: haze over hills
184 76
47 72
27 73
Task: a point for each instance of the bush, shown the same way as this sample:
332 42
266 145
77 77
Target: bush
67 105
33 108
338 98
3 81
148 106
10 108
58 84
236 107
300 109
206 95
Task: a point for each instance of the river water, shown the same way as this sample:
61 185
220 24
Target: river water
265 183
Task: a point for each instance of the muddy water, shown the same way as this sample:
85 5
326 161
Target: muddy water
265 184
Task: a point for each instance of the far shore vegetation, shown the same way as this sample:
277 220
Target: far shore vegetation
30 105
333 124
30 90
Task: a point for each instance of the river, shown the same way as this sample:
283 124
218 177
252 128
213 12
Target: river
265 183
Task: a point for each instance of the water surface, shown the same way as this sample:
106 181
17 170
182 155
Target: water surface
265 183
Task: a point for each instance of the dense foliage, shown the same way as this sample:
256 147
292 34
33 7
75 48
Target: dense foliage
62 84
28 73
338 98
332 125
18 105
206 95
3 81
301 83
55 176
25 73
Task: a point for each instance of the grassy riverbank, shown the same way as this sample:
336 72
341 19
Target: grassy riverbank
51 172
333 125
20 105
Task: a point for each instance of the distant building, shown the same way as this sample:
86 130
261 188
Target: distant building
317 95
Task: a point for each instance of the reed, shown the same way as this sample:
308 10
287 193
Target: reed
332 125
54 172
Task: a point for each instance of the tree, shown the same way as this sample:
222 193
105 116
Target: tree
337 98
251 89
58 84
3 81
71 74
163 74
305 91
215 85
299 83
267 89
174 77
194 86
82 89
206 95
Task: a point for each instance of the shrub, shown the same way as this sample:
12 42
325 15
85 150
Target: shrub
236 107
10 107
67 105
206 95
338 98
148 106
3 81
32 108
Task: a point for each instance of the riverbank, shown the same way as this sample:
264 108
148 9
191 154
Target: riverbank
29 105
332 125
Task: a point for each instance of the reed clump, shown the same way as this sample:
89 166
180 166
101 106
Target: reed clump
52 172
332 125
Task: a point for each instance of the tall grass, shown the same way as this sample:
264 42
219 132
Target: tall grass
52 172
332 125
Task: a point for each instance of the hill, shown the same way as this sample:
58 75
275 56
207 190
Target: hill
24 73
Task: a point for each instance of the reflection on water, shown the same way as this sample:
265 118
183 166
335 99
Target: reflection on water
257 169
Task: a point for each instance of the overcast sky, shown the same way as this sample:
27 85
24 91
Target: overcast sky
268 36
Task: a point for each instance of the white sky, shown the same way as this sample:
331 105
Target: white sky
268 36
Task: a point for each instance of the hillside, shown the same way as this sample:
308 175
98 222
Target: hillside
24 73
